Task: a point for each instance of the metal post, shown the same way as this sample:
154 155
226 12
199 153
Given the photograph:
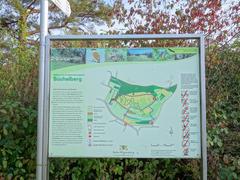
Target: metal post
203 112
43 34
45 168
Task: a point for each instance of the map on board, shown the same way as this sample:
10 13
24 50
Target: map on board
135 105
125 102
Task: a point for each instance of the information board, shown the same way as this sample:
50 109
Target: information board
125 102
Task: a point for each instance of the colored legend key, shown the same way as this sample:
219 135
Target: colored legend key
90 121
90 116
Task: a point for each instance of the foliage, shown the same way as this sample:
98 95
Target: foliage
18 128
217 21
18 113
123 169
18 89
223 112
17 139
22 18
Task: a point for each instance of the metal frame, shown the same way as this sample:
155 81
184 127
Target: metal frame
44 138
125 36
203 109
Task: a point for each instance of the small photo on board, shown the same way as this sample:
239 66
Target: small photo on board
68 55
116 55
162 54
95 55
140 54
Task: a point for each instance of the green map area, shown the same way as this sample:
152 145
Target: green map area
136 104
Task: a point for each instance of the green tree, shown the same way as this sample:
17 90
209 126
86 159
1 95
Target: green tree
21 17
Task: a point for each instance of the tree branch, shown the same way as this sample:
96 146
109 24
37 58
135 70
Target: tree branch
226 43
64 24
30 5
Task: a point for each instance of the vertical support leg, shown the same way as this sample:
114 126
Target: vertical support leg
203 115
40 128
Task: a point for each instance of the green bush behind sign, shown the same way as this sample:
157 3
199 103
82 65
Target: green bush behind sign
18 119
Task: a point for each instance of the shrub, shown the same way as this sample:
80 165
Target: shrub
18 117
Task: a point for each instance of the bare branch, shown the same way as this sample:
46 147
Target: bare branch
64 24
30 5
